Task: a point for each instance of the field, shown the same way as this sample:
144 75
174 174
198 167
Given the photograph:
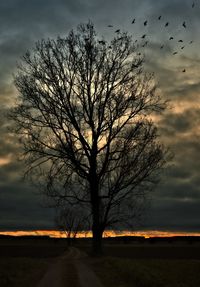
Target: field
146 265
121 272
23 262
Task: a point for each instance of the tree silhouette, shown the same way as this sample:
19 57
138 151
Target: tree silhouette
72 220
84 120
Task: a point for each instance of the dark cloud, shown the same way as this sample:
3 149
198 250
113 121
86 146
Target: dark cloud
176 202
7 142
177 124
174 215
22 208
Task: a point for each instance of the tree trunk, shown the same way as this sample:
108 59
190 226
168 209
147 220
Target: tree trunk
96 225
97 234
97 241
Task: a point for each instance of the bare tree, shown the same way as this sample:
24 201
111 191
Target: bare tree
84 118
71 221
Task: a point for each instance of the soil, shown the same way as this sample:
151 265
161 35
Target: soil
70 269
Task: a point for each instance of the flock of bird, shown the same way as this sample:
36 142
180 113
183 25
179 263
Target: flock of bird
144 41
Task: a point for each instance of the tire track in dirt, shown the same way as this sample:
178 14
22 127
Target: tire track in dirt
86 276
70 270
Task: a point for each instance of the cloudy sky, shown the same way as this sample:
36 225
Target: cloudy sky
175 204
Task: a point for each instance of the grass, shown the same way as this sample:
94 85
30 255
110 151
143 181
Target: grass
153 251
21 272
23 262
121 272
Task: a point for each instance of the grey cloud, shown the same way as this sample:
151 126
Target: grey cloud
177 123
9 143
174 215
180 189
187 154
175 203
173 83
22 208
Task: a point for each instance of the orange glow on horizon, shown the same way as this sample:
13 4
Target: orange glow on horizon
4 161
108 233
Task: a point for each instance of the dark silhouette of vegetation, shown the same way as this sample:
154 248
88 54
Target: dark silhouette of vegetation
84 118
71 221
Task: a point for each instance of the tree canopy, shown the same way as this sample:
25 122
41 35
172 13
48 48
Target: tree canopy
85 121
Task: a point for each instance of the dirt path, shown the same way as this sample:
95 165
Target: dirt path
70 270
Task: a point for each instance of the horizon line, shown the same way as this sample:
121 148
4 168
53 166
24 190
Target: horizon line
107 233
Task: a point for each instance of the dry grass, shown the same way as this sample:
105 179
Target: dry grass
21 272
167 265
153 251
121 272
23 262
138 265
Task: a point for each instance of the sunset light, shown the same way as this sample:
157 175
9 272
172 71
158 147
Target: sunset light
88 234
100 143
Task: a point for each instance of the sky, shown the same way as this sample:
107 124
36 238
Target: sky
175 203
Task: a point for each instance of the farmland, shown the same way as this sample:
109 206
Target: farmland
24 261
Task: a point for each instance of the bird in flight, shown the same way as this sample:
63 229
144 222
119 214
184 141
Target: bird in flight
102 42
110 26
180 41
193 5
171 38
184 24
175 53
117 31
182 47
159 17
145 44
145 23
143 36
167 24
133 21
